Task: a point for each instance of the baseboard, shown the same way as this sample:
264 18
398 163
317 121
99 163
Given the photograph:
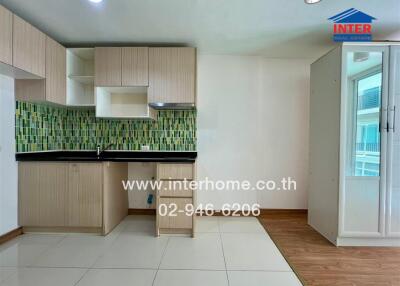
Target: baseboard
62 229
10 235
141 212
282 211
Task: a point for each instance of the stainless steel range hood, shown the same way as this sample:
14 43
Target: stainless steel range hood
177 106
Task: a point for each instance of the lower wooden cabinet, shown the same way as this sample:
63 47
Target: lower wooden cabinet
72 196
42 194
84 196
176 217
175 203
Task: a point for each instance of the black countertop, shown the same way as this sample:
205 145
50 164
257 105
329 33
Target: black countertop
111 156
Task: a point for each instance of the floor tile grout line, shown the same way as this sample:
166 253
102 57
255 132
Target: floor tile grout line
223 251
108 248
47 249
79 280
159 264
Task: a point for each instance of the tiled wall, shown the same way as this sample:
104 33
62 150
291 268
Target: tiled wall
41 127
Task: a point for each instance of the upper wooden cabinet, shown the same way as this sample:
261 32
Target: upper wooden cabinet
135 66
56 84
29 47
53 88
115 66
172 75
6 24
107 62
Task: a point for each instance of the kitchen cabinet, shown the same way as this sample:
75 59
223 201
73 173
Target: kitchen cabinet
29 46
107 66
174 200
135 66
42 192
56 85
72 196
121 79
116 66
172 75
6 24
51 89
178 220
84 200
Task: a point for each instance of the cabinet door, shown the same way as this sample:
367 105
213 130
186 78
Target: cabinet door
135 66
29 48
172 214
393 169
172 73
84 202
107 63
42 189
5 36
175 171
55 72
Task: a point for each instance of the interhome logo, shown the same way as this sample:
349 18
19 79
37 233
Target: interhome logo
352 25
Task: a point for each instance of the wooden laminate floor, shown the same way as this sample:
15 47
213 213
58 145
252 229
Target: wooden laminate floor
317 262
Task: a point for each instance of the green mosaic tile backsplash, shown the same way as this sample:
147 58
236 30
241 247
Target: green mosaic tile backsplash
41 128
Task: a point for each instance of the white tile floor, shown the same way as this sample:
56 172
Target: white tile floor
226 251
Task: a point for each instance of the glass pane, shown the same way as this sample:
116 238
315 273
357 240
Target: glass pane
365 89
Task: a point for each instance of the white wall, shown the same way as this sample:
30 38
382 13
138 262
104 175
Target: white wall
253 125
8 165
141 171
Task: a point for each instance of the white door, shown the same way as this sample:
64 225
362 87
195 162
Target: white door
393 170
363 141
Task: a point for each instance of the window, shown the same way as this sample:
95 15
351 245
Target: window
367 138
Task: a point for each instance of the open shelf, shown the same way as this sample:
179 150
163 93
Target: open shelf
80 77
123 103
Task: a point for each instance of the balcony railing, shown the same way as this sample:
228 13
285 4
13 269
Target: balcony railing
368 147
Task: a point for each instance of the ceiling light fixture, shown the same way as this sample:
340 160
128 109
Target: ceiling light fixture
312 1
95 1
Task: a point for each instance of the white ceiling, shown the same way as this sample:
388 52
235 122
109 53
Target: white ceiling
280 28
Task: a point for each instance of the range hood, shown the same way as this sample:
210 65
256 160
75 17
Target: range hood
176 106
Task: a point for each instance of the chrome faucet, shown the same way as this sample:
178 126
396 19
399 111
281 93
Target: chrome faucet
99 151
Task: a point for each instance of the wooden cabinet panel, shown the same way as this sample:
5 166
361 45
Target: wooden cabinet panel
28 194
168 171
42 189
6 18
172 75
174 189
56 82
108 66
29 46
178 219
84 199
52 89
115 196
135 66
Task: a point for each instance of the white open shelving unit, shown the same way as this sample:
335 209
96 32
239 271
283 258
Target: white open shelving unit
123 102
80 77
